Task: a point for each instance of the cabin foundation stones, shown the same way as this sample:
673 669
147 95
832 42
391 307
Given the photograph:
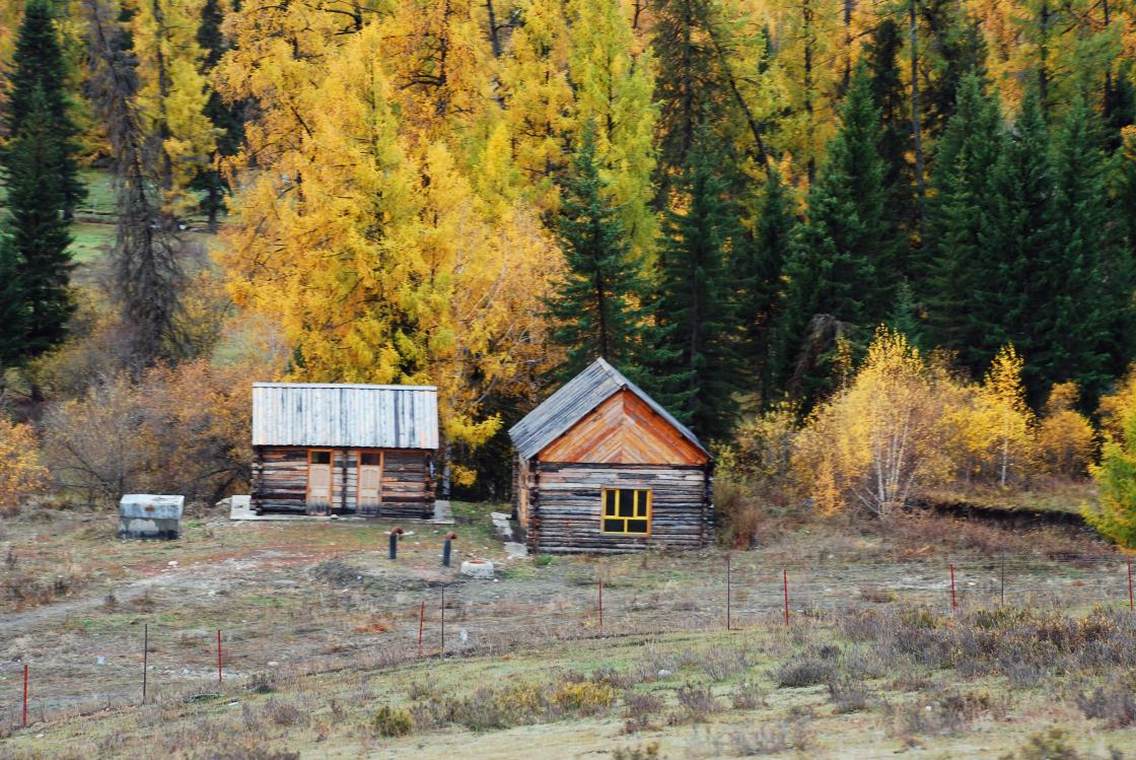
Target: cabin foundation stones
602 467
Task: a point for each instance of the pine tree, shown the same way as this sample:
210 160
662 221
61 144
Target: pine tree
958 208
596 308
40 74
696 305
843 262
13 308
39 241
758 264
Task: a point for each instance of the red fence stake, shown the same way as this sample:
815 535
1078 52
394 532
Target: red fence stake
25 695
785 582
421 621
218 655
1131 600
954 597
601 605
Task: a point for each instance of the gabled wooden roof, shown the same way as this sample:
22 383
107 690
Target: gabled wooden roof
558 413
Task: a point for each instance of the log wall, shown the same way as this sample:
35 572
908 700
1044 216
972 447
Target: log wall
565 509
280 482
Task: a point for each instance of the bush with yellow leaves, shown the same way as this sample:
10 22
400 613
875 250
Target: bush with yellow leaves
1066 440
21 473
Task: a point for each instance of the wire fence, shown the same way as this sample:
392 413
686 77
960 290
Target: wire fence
149 660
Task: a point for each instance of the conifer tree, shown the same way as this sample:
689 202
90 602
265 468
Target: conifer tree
39 240
958 210
1016 296
226 118
13 310
696 305
843 262
596 308
758 263
40 73
1085 291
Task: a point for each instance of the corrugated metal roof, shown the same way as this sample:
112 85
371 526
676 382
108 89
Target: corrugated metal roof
329 414
558 413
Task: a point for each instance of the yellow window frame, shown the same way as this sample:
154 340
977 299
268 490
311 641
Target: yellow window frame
641 509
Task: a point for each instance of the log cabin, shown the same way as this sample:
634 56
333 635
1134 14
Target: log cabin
601 467
344 449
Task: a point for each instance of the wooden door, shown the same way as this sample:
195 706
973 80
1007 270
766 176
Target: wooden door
319 479
370 480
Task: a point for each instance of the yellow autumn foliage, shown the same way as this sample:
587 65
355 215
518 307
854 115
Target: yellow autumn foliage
21 472
1066 440
877 442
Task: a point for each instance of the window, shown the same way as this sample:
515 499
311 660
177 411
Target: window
627 511
319 457
369 459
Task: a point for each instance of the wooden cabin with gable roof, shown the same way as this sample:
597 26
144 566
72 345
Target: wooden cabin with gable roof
602 467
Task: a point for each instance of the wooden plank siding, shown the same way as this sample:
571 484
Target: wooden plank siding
623 429
566 510
280 478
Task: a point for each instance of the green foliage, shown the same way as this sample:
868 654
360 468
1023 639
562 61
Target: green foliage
392 721
843 261
598 308
1115 515
695 304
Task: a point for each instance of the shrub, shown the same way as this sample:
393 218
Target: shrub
748 696
1065 438
639 710
1115 705
805 671
697 702
584 697
21 473
392 721
1048 745
772 738
848 695
284 713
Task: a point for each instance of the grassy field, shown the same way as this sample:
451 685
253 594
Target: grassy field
321 653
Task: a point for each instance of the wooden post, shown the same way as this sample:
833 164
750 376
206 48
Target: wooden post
443 621
601 605
954 596
785 582
145 658
218 655
421 620
25 695
1003 596
1131 600
727 591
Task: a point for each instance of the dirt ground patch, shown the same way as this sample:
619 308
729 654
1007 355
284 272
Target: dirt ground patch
311 605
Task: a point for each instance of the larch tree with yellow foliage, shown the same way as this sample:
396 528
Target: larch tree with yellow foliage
876 442
21 473
1114 515
1009 420
385 265
173 94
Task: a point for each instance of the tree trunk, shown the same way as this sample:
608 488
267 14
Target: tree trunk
916 129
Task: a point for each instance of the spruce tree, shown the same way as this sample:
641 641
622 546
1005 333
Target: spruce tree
1086 291
13 309
1016 299
695 304
38 231
881 57
957 266
37 83
843 262
758 264
597 307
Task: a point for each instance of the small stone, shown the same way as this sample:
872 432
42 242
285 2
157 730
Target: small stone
664 673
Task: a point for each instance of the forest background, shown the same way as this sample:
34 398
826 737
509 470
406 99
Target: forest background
877 252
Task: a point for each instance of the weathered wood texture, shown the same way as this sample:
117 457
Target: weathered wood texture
623 429
280 483
565 506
